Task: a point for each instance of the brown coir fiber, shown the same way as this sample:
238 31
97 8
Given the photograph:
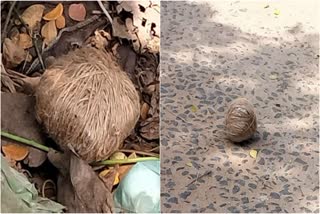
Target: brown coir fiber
86 101
241 120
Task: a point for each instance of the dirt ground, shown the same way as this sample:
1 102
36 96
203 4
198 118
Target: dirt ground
214 52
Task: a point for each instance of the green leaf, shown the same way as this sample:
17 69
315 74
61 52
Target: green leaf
276 12
194 108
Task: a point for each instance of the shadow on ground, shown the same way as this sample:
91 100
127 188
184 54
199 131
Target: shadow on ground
208 63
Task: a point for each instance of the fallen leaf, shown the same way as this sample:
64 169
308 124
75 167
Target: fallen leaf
149 129
144 111
189 164
79 188
123 170
20 107
32 15
273 76
267 6
253 153
54 13
194 108
49 32
24 41
105 172
77 12
132 155
116 179
15 152
276 12
60 22
13 53
118 156
120 30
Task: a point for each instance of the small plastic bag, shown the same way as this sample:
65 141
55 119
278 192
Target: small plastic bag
139 190
18 195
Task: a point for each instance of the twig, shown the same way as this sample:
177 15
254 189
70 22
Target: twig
153 149
104 11
47 149
33 39
25 141
25 61
125 161
4 33
201 176
152 154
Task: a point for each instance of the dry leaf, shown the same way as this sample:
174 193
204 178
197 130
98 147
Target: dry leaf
49 32
273 76
24 41
105 172
15 152
253 153
116 179
32 15
12 53
144 111
77 12
55 13
123 170
189 164
61 22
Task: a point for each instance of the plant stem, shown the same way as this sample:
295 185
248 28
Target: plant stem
46 149
124 161
151 154
25 141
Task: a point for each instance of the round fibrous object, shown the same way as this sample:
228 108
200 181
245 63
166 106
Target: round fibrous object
240 121
87 103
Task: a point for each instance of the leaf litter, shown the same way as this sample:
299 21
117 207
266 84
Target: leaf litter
38 33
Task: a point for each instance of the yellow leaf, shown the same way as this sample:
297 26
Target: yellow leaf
189 164
273 76
32 15
49 32
253 153
15 152
60 22
132 155
104 172
116 179
55 13
118 156
276 12
194 108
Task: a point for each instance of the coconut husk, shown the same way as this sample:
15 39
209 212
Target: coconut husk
241 120
86 101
